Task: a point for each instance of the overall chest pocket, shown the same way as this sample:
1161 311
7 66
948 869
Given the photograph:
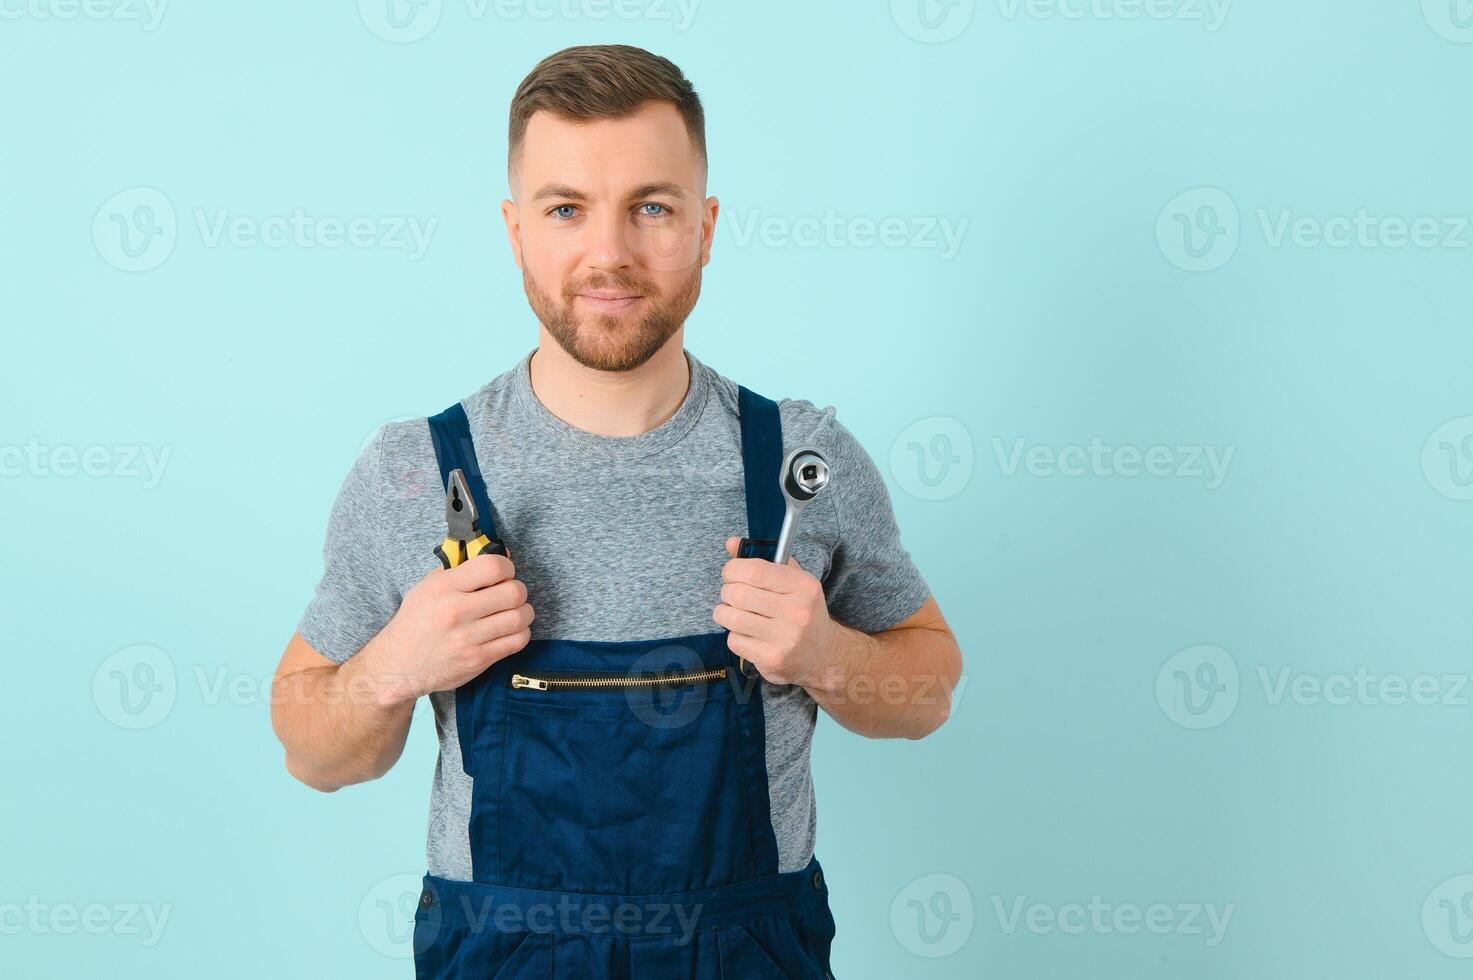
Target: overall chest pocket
627 783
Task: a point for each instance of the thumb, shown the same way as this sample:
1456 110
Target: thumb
733 544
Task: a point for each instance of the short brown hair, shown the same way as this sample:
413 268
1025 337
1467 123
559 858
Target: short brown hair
602 81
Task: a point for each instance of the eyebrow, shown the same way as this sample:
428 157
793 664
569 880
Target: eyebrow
573 194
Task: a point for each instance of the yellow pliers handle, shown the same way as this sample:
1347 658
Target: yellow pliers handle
452 552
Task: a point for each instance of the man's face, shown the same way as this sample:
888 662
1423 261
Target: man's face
611 228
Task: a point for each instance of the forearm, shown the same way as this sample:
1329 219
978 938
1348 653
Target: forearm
338 724
895 684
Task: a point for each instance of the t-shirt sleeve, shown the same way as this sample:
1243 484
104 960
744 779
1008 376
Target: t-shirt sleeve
355 597
872 582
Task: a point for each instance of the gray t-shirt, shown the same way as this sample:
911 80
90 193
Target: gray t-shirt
616 538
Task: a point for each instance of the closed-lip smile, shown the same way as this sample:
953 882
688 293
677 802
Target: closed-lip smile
604 299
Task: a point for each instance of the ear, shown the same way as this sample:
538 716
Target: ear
708 228
512 217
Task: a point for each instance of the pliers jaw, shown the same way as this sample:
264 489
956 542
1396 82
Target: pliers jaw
463 537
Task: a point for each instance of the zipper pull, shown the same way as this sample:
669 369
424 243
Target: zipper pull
535 683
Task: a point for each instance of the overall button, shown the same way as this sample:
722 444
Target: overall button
426 899
817 878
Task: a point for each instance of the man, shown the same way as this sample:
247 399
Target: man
615 796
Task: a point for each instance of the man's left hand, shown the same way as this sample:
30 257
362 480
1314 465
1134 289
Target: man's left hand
777 617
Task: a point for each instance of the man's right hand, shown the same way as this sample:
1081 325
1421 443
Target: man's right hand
452 625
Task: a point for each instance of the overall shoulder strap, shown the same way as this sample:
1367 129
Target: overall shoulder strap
451 432
762 458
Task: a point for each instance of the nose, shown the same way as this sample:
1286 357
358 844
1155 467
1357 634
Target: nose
607 244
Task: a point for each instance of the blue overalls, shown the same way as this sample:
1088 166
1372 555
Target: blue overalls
620 823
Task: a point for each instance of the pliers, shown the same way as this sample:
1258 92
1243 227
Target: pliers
463 537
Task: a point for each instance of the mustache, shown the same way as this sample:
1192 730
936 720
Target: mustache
611 282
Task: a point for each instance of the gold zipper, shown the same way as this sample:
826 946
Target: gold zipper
597 680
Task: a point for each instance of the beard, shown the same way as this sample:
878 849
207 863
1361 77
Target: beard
614 341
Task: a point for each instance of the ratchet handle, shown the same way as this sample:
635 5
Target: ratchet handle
754 548
758 548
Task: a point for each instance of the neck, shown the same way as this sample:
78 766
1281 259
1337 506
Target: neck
610 403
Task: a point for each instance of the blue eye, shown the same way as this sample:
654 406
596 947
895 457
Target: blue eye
655 204
561 208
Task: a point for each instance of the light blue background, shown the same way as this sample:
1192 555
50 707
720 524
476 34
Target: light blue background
1334 542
